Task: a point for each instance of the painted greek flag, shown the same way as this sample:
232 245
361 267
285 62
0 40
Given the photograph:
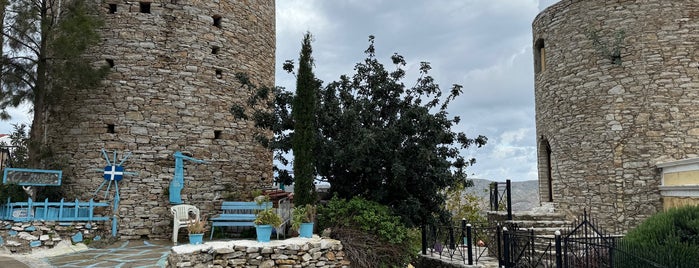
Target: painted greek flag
113 173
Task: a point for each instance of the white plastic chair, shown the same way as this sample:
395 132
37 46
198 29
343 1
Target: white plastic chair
181 217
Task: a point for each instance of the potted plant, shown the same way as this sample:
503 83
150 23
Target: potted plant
265 220
196 229
302 220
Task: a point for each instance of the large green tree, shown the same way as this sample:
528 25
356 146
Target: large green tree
303 138
44 42
378 138
391 143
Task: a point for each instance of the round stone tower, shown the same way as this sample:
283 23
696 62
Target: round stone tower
171 87
617 91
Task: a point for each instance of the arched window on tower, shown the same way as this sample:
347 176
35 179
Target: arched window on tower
545 171
539 56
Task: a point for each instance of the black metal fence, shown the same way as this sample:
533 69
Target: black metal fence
583 245
522 248
465 242
501 197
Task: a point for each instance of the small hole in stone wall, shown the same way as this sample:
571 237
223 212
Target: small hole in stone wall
215 49
217 20
110 128
219 73
145 7
110 62
217 134
112 8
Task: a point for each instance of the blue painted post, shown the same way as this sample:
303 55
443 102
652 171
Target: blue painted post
46 208
91 209
76 205
177 182
30 213
114 214
60 210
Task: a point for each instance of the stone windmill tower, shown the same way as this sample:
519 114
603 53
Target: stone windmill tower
617 88
170 89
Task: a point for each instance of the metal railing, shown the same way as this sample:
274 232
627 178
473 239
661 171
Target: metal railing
583 245
501 197
52 211
464 242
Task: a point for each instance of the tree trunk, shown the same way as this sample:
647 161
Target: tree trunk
37 136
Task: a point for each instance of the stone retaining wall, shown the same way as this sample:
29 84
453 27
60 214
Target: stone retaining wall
20 237
293 252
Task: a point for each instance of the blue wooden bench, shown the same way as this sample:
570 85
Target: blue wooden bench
242 214
237 214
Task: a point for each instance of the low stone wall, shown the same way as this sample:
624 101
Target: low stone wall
293 252
20 237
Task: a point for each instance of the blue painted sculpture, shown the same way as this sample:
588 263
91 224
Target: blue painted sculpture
177 182
113 173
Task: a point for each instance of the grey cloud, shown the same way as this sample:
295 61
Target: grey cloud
483 45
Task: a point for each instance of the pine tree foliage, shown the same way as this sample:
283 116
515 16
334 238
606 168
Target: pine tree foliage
43 46
17 148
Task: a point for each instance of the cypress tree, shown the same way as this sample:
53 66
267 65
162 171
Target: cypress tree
303 139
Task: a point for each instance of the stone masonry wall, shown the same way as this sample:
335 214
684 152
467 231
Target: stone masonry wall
608 124
293 252
171 87
21 237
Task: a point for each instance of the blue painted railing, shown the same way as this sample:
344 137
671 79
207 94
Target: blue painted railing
51 211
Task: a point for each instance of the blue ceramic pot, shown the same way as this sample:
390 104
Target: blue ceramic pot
306 230
264 232
196 239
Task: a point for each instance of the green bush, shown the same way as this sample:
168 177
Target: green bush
370 233
13 191
670 239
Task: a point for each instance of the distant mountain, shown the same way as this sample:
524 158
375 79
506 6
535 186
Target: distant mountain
525 194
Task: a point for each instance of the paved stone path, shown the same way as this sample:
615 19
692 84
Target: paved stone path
458 258
124 254
8 262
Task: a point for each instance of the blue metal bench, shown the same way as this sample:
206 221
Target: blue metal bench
237 214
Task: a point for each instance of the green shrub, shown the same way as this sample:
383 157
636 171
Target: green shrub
371 235
670 239
13 191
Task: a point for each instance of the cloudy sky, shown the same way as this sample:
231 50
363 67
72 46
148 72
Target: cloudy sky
484 45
